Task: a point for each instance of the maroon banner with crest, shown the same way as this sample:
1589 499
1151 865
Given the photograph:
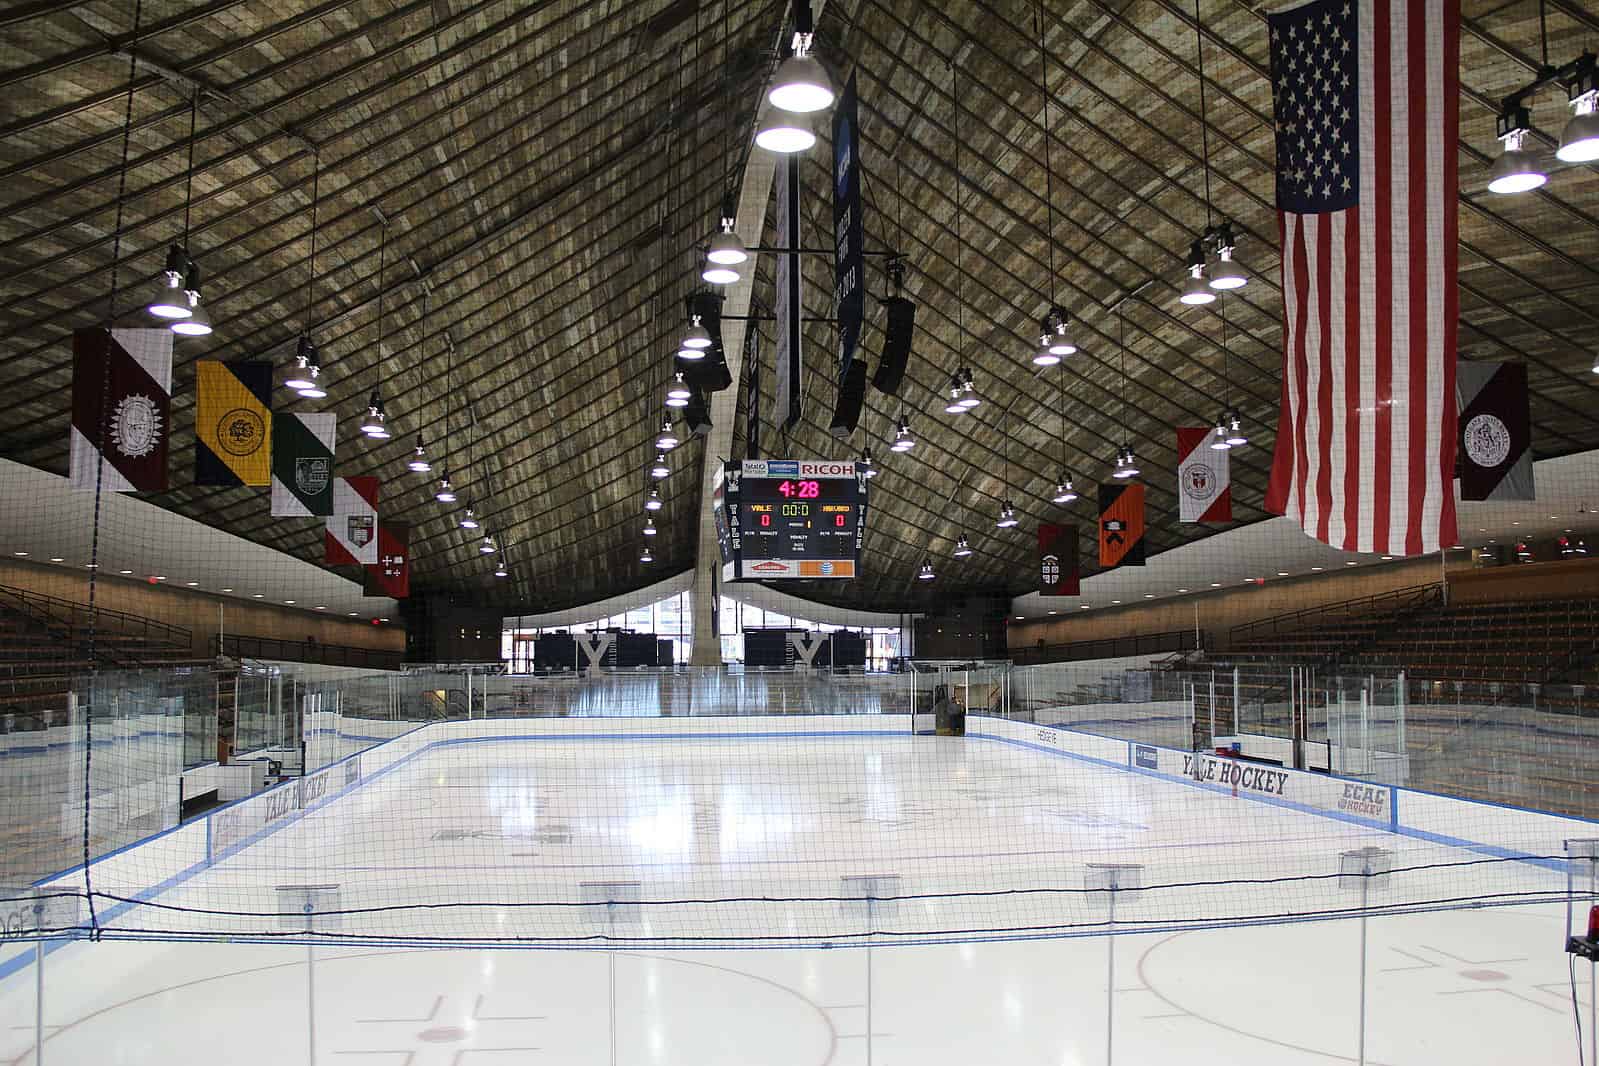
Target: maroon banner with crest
121 409
391 574
1057 561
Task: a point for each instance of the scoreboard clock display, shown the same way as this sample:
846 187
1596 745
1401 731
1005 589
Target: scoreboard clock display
789 519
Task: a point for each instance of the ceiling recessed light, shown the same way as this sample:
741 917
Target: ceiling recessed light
1316 569
1054 612
1084 606
1554 516
352 614
1149 595
124 571
382 619
1182 590
321 606
1387 558
288 601
1021 618
158 577
1282 573
1215 584
227 590
1115 601
192 584
91 566
1351 563
259 595
58 559
20 555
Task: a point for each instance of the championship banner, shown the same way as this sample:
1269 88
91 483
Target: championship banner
1121 524
849 292
752 395
302 465
121 409
1057 561
352 534
1204 483
232 423
391 575
1495 431
789 301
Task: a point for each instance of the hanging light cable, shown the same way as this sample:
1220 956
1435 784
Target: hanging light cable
1053 343
374 426
170 302
1195 290
198 322
956 405
1064 492
1236 437
1126 463
307 360
726 252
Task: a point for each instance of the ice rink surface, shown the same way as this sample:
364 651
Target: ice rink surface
961 824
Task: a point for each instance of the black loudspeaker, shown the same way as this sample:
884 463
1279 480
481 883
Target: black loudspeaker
711 373
698 413
896 345
851 394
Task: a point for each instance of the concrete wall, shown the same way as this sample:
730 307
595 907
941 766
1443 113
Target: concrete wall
203 613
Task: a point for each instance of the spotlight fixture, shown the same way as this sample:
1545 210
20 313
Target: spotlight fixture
1579 142
963 547
1007 516
1195 292
1516 170
500 570
198 324
904 442
726 248
446 493
1055 339
653 501
1226 274
800 85
926 572
1236 436
487 547
1126 464
649 527
698 338
419 463
1064 492
315 392
658 469
667 440
169 300
785 132
969 398
1043 356
954 406
1218 439
867 468
719 273
677 393
645 556
305 357
374 424
469 519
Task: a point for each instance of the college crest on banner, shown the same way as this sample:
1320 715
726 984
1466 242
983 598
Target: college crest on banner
302 465
352 534
1495 431
1057 561
121 409
232 423
391 575
1121 524
1204 483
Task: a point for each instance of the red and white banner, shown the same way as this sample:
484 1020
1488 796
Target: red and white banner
1204 483
121 409
352 534
1367 98
391 574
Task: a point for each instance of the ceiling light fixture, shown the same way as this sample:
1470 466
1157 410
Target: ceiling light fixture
374 426
719 273
1218 439
963 548
1516 170
954 406
1579 141
677 393
649 527
446 493
1226 274
1126 463
698 338
645 556
487 547
500 570
926 572
1195 292
198 324
864 464
652 502
419 463
667 440
903 441
305 358
1007 516
469 519
1064 492
969 398
169 301
785 132
658 469
1235 431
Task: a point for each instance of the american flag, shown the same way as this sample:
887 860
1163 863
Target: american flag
1367 97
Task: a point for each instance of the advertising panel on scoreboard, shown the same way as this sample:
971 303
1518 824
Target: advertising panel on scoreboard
793 518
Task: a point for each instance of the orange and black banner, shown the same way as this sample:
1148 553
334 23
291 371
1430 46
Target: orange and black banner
1121 524
1057 560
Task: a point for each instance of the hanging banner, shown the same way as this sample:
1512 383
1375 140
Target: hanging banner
849 289
232 423
391 575
352 533
1121 524
121 409
302 465
1204 482
1057 561
1495 431
752 395
790 295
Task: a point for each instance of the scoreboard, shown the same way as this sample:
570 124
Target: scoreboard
789 519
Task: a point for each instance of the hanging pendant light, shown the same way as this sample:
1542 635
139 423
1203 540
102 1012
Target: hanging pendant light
419 463
487 547
1218 439
500 570
785 132
677 393
969 398
719 273
864 464
307 359
315 392
1007 515
1226 274
198 324
1579 141
926 572
698 338
645 556
374 425
1043 356
652 502
304 355
1195 292
800 84
1064 492
962 547
1236 437
903 441
667 440
954 406
1516 170
649 527
726 247
1126 464
469 519
446 493
659 469
169 300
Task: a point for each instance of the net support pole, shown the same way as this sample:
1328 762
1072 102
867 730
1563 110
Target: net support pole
870 926
310 1003
1112 878
38 1003
1360 869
